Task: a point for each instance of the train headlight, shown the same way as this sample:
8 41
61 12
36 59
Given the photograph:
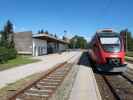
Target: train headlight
115 61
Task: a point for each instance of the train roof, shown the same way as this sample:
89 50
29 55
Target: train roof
111 34
107 32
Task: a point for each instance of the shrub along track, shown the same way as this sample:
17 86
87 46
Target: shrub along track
45 87
120 85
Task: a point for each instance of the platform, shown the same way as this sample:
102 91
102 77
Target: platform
85 86
48 61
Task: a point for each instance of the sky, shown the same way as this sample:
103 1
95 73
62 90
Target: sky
77 17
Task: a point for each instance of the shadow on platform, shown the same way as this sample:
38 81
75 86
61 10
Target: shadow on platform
85 60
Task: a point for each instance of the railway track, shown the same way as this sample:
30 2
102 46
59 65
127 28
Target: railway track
120 86
43 88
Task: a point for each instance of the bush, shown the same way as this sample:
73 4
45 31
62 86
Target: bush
3 54
6 54
12 53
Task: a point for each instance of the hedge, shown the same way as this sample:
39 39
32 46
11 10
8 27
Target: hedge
6 54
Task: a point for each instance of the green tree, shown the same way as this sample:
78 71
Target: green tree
128 38
55 35
63 38
41 31
129 41
78 42
46 32
7 45
3 41
8 35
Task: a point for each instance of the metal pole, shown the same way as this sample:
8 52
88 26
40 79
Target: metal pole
126 43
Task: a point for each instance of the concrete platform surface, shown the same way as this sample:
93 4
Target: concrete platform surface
48 61
85 86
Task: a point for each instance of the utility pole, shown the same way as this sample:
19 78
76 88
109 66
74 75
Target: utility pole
126 40
124 36
126 43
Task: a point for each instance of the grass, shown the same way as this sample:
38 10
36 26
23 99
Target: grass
19 60
128 59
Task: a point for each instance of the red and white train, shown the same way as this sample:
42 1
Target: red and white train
107 51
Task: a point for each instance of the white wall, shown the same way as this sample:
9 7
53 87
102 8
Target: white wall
62 47
39 47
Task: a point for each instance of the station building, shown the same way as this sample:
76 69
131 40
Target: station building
38 44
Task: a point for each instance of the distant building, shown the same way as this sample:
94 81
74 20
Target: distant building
23 42
38 44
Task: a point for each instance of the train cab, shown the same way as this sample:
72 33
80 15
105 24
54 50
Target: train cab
107 51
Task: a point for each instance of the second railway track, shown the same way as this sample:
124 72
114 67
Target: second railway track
116 86
43 88
120 86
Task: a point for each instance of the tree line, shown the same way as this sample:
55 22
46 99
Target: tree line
81 42
129 41
128 38
77 42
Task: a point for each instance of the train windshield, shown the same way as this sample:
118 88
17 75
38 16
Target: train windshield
111 44
110 40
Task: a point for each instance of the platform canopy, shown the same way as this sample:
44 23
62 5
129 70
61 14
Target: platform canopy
49 38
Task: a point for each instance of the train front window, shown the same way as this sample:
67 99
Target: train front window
110 40
110 44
